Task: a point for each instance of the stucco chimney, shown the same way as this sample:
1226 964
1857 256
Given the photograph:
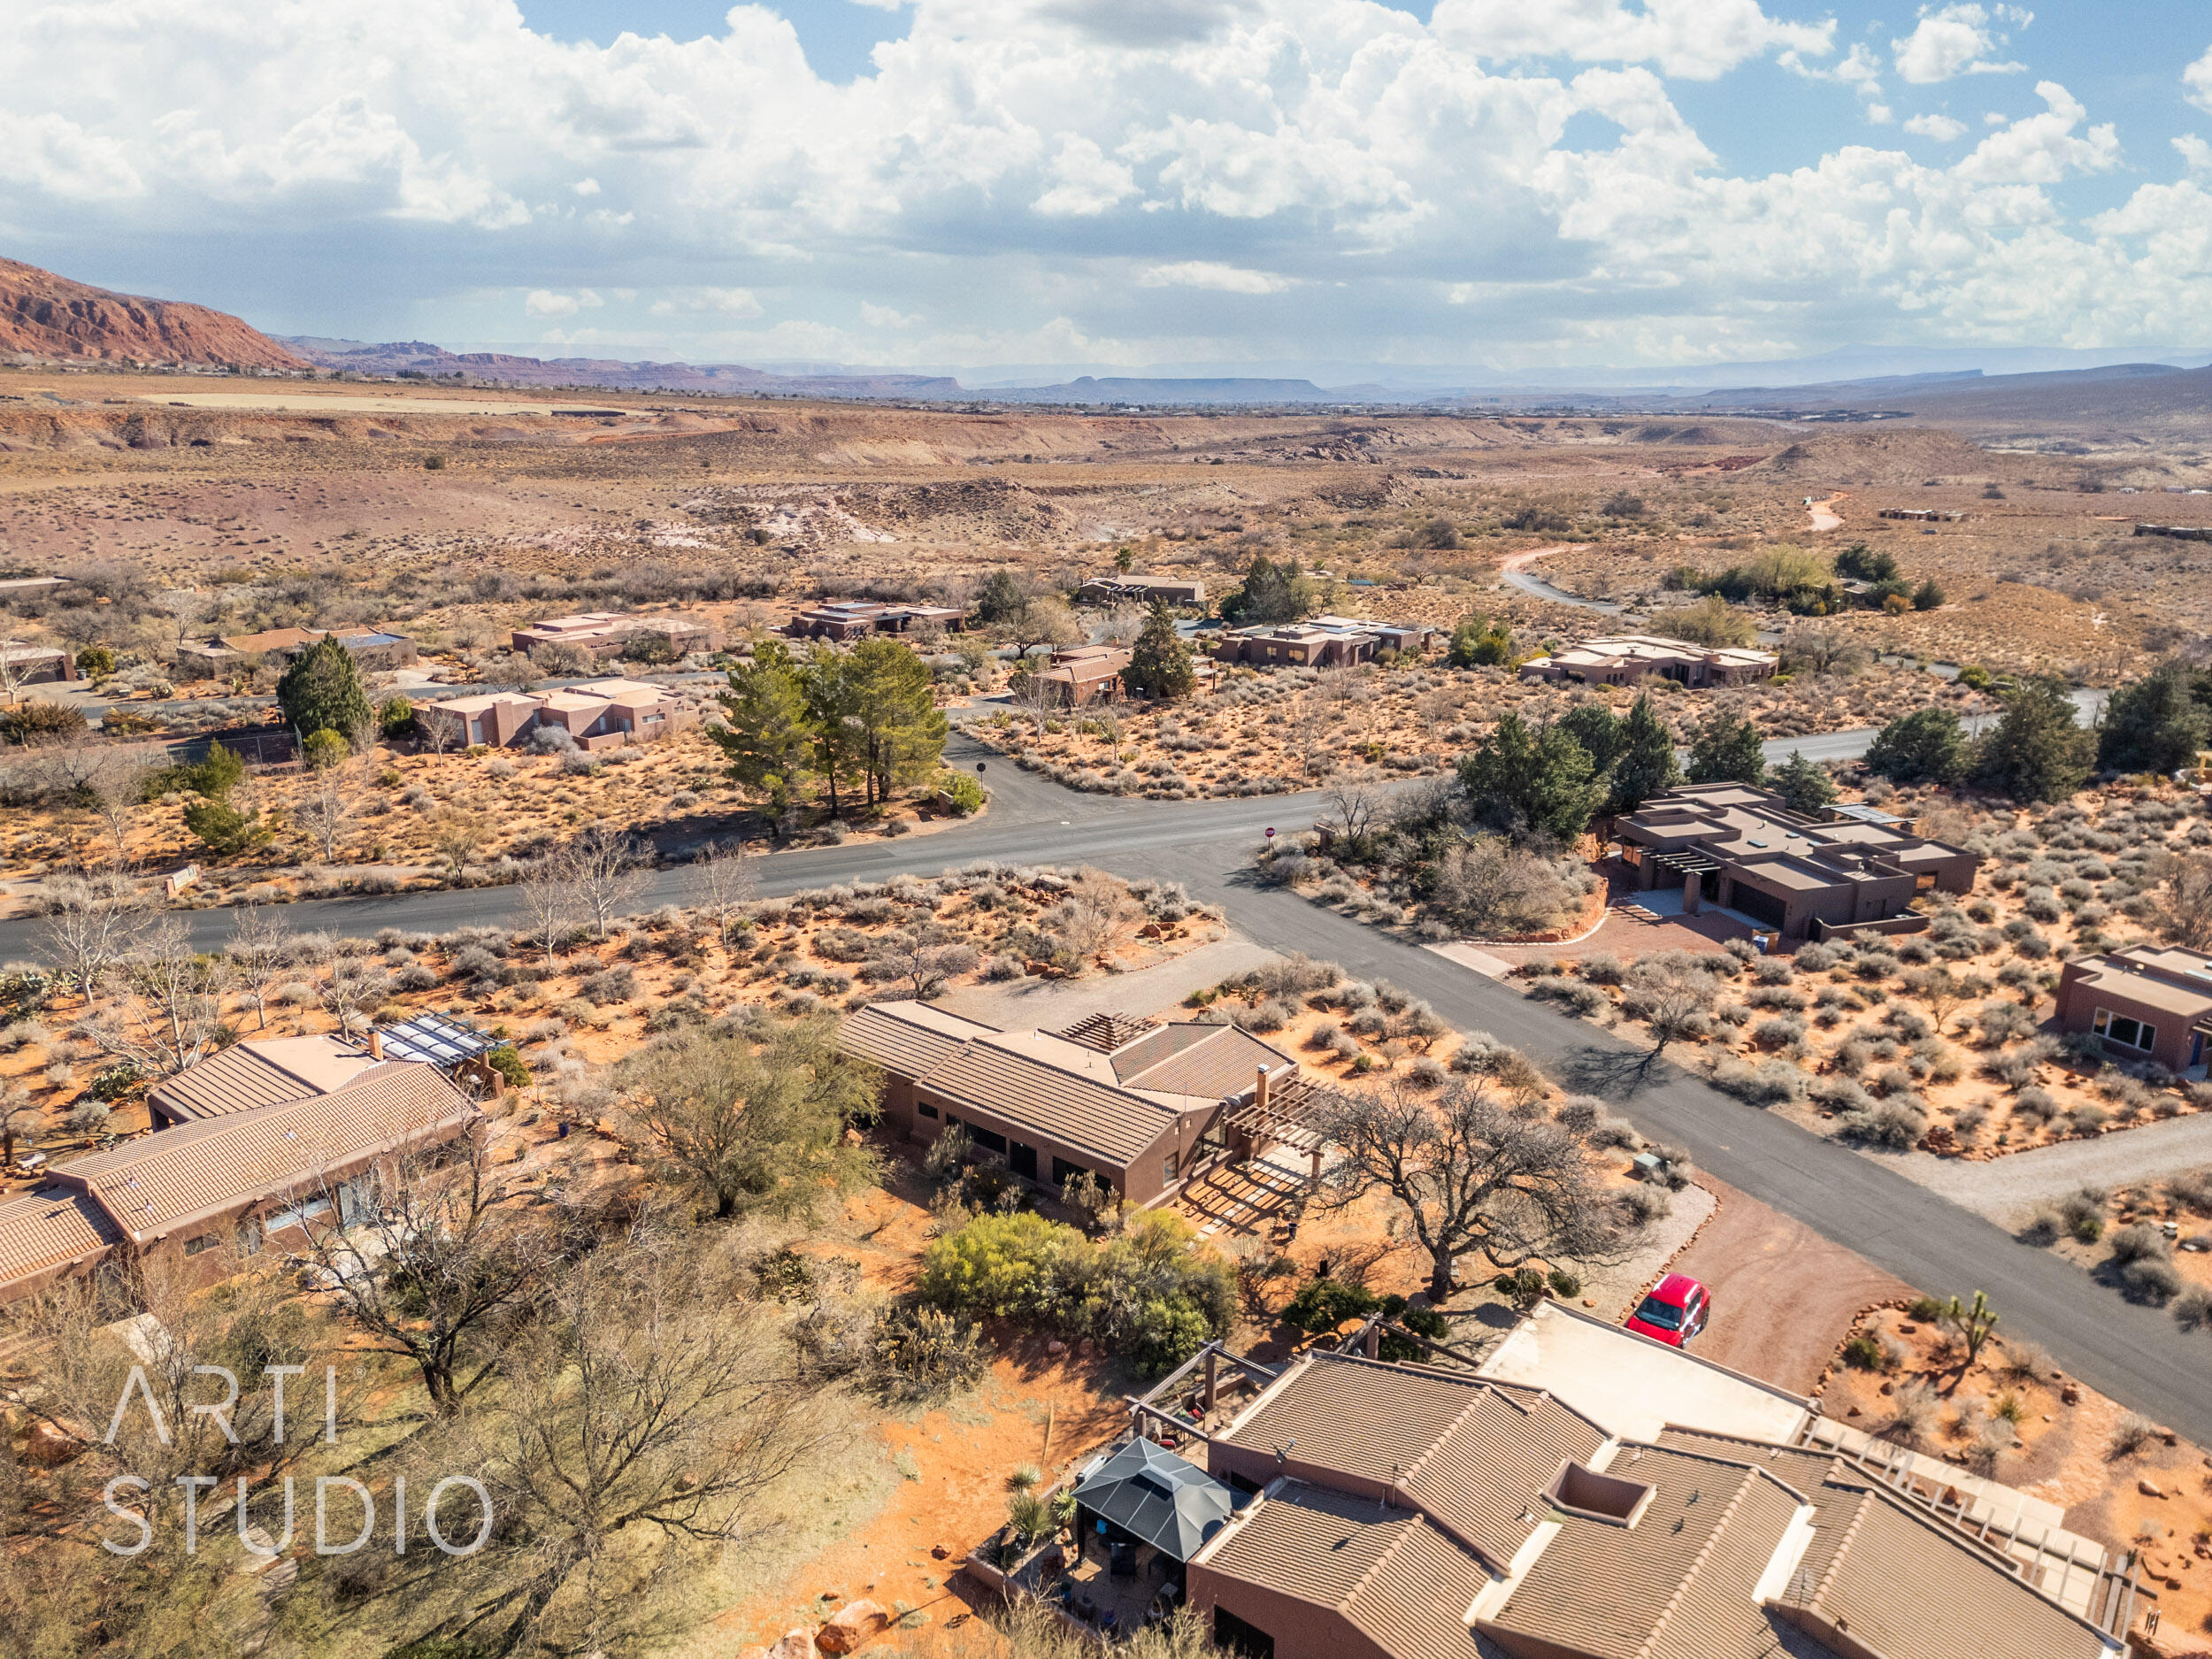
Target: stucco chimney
1259 1090
376 1045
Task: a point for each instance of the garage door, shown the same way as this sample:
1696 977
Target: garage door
1764 906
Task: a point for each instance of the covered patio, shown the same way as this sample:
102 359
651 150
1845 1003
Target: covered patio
1141 1515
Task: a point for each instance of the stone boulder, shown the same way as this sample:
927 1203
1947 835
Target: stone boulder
856 1623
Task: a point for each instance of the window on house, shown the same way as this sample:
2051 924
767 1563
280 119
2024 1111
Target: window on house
205 1241
2124 1031
1169 1169
924 1109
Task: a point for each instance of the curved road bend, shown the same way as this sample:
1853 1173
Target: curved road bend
2138 1356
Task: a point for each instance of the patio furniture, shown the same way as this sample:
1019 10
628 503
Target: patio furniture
1124 1564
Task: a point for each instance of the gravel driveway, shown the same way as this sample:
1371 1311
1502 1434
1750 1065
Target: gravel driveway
2009 1190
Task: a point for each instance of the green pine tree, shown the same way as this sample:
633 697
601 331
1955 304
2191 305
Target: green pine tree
2037 752
1160 664
1926 746
2153 726
322 692
1270 593
769 733
1725 750
1645 765
1533 784
1803 785
1478 642
1595 727
897 727
1000 599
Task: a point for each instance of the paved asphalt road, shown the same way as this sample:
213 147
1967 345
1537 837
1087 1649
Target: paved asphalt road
2138 1356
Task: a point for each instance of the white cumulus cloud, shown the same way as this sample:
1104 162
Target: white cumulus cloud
1205 273
1956 40
2198 79
1942 128
709 300
546 302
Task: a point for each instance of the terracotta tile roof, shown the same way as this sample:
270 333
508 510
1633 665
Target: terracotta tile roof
251 1074
1387 1570
170 1179
1678 1584
1222 1062
906 1038
1108 1032
1910 1587
1071 1108
1473 1454
44 1233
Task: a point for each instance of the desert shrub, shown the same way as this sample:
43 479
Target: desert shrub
1782 1031
1603 969
920 1353
2137 1243
2043 1228
2130 1435
2153 1279
1893 1124
2083 1212
1864 1352
1775 1083
2194 1309
1583 1000
609 985
1323 1304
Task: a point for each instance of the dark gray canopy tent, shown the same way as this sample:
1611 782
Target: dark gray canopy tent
1156 1498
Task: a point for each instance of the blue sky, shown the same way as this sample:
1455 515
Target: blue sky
1105 184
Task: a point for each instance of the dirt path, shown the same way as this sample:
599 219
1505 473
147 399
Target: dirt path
1824 514
2008 1190
1784 1298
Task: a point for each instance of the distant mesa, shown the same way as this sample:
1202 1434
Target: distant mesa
417 359
1227 389
43 315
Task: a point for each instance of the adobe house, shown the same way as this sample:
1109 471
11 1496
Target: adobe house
1079 675
1739 847
260 1176
2146 1002
1170 590
597 713
1625 659
1323 642
1140 1106
605 633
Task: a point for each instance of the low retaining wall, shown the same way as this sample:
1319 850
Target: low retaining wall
1895 924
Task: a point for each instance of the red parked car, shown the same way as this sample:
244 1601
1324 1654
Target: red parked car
1674 1312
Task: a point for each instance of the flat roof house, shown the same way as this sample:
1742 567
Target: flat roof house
369 648
2147 1002
603 633
857 618
1139 1105
597 713
1409 1512
1625 659
1173 591
268 1170
1322 641
37 664
1739 847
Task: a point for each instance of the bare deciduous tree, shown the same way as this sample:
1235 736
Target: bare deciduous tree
1091 914
171 1012
19 1116
602 865
350 988
550 903
164 1432
443 1255
1673 996
1471 1173
925 957
2183 902
89 924
729 880
106 780
1354 809
648 1400
328 805
1493 889
458 836
262 949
